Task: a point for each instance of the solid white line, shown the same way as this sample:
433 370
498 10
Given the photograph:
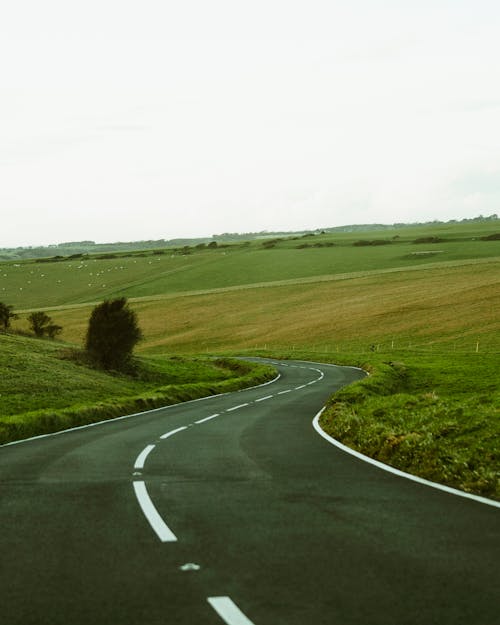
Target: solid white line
228 611
208 418
264 398
135 414
283 392
389 469
162 530
236 407
141 458
184 427
248 388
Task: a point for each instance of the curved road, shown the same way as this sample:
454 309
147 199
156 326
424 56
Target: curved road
234 510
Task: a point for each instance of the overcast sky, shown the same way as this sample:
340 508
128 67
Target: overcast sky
128 120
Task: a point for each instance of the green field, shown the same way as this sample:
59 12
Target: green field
431 306
31 284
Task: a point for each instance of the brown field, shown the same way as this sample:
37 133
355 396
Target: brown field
443 306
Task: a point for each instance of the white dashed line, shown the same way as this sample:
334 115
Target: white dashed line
283 392
173 432
159 526
228 611
264 398
236 407
208 418
141 458
297 388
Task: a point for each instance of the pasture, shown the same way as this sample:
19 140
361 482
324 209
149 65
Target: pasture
29 285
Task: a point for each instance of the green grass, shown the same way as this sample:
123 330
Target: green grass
30 284
434 416
44 389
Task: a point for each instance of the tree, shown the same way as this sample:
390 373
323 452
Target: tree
52 330
6 315
39 322
112 333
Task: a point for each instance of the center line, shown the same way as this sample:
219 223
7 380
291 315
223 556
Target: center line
228 611
141 458
207 418
299 387
236 407
173 432
264 398
283 392
162 530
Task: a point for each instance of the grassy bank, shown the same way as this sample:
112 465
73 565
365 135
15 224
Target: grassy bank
436 416
43 389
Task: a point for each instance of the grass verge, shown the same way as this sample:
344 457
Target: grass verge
433 416
43 389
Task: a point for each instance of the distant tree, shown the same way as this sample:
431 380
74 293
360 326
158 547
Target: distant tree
52 330
112 334
6 315
39 322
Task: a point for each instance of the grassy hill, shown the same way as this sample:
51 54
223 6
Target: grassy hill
33 284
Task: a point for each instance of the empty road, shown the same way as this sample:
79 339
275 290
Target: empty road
234 510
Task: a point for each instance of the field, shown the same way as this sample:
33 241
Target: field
426 298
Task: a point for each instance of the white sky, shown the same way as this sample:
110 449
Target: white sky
127 120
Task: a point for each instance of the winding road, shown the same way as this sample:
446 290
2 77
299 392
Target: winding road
234 510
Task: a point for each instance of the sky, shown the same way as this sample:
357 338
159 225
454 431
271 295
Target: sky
154 119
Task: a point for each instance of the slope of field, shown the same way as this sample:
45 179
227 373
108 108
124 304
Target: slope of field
452 307
30 284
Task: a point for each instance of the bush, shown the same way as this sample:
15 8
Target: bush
112 334
6 315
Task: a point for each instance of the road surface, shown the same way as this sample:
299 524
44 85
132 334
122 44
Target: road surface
235 510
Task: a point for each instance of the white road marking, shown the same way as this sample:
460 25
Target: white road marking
236 407
283 392
190 566
297 388
159 526
228 611
208 418
264 398
141 458
184 427
389 469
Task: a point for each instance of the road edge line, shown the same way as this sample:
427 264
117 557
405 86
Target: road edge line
398 472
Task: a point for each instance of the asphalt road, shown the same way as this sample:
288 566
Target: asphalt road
246 518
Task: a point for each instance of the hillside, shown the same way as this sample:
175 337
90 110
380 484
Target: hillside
45 386
328 292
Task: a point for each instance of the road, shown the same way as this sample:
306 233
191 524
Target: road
235 510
